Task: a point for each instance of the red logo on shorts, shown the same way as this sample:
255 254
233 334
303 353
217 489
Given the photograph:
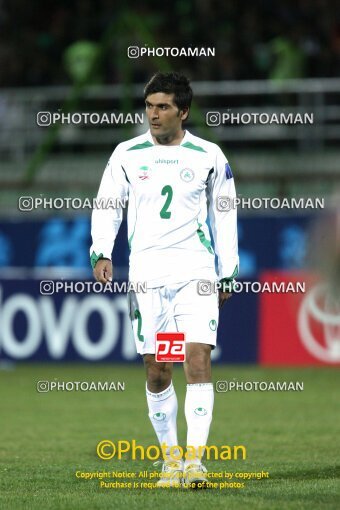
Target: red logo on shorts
170 347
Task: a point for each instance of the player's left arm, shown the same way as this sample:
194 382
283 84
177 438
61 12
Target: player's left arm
221 196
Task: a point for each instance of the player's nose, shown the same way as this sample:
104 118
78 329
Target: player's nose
154 114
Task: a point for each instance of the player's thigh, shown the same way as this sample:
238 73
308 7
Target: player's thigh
149 314
196 315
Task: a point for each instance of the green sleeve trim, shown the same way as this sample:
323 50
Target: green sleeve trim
203 239
95 258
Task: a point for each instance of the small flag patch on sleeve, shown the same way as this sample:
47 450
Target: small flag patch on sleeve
228 172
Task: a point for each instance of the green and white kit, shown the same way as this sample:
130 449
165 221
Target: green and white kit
171 191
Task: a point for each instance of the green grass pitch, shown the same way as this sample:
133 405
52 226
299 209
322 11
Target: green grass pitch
47 437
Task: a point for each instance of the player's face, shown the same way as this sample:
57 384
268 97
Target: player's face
165 118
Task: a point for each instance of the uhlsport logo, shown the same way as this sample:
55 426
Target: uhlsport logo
161 161
320 308
213 325
159 416
187 174
200 411
144 173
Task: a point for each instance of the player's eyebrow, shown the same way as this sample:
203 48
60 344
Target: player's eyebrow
158 104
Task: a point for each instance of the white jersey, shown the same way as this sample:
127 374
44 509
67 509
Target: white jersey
171 191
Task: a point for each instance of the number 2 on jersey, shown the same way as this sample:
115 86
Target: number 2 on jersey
165 214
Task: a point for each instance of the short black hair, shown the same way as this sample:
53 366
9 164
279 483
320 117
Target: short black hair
171 83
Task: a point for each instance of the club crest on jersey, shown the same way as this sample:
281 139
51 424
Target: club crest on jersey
187 174
144 173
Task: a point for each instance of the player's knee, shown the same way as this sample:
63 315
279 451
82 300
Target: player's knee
158 375
198 363
158 380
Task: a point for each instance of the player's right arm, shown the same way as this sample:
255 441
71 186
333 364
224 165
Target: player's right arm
107 219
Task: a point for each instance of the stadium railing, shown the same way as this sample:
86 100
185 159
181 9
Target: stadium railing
265 153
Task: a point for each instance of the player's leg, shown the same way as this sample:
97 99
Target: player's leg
162 400
158 375
199 403
197 365
199 399
149 314
197 317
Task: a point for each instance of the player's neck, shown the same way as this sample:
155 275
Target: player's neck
175 139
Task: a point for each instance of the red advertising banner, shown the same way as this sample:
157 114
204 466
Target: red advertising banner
298 326
170 347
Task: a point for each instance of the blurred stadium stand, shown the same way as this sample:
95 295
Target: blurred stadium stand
268 159
253 38
269 58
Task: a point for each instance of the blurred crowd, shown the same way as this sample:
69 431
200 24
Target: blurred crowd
42 43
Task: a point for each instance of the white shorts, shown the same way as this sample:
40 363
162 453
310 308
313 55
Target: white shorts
178 307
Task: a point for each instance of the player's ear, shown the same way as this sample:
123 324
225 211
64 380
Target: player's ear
185 113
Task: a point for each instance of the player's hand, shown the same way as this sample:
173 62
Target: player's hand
103 271
223 297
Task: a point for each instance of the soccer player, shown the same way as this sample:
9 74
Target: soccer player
174 181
